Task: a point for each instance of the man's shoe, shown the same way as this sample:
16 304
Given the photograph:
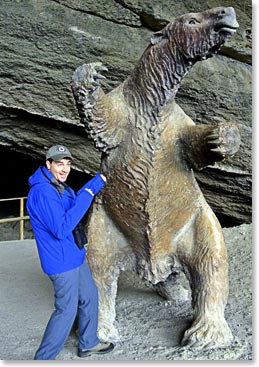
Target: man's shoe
100 348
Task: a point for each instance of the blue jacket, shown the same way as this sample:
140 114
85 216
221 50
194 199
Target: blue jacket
54 215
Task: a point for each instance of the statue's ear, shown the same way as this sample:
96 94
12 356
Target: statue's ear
157 37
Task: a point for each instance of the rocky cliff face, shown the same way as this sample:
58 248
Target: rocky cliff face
43 41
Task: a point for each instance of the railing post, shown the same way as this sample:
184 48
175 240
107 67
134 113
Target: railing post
21 221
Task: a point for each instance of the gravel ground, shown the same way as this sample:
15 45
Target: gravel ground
150 327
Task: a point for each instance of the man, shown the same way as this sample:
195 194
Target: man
55 212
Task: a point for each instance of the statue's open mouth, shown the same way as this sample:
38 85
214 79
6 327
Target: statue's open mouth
227 28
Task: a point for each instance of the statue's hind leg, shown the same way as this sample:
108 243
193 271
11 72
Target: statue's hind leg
108 254
207 265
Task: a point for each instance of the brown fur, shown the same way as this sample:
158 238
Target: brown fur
152 217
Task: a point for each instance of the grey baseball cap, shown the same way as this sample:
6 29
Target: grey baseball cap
57 152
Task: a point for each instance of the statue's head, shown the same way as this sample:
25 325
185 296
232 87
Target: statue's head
198 36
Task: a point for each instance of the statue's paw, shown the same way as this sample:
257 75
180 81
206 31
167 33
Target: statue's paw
88 76
224 140
208 335
108 333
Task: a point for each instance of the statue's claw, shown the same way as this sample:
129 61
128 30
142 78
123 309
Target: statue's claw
88 76
224 140
108 333
204 335
100 67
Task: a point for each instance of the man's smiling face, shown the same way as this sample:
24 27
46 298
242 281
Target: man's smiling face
60 169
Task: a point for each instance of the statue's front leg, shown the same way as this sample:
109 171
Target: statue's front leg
207 144
86 87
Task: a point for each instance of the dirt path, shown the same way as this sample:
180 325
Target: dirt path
150 327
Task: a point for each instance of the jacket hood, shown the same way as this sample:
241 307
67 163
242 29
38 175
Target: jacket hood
41 175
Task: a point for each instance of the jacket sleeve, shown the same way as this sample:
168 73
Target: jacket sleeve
46 210
94 185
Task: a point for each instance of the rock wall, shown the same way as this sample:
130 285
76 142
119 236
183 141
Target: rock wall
43 41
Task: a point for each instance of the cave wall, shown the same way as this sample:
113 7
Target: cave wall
42 42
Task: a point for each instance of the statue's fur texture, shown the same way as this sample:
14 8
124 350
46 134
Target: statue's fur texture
151 216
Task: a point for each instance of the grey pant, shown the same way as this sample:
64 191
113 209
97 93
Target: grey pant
75 294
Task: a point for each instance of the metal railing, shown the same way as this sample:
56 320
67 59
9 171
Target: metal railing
19 219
